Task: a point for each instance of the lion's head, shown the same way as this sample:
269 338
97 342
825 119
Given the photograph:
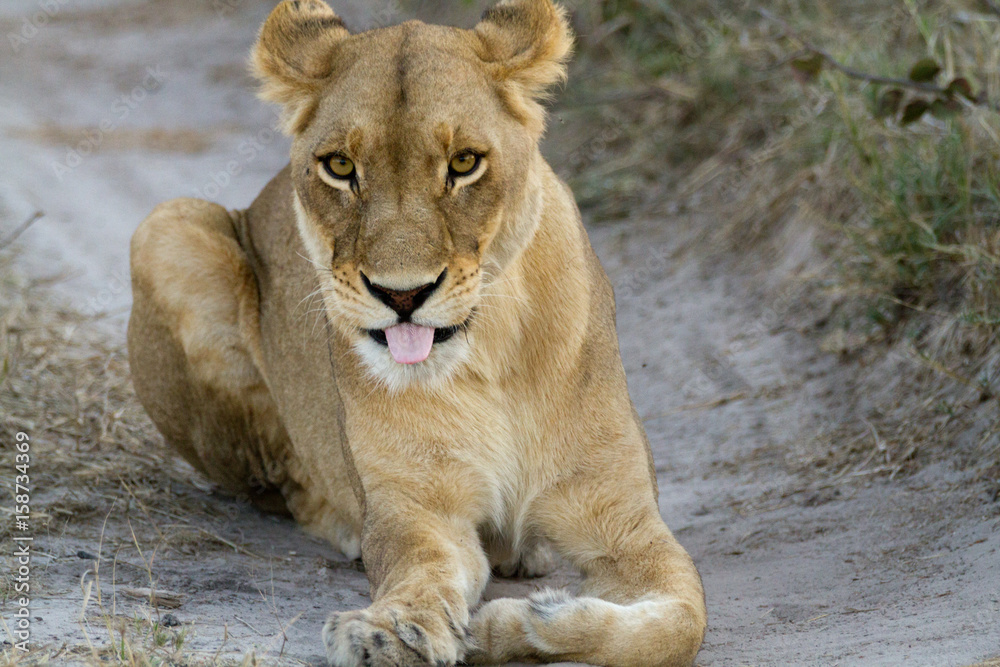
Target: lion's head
415 164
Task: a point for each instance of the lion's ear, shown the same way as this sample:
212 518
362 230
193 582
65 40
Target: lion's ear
526 43
294 55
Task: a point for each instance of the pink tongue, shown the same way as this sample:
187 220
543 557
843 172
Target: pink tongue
409 343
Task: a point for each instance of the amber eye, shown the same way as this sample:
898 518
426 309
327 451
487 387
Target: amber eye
339 166
463 164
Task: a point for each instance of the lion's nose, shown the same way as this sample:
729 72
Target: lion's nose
404 302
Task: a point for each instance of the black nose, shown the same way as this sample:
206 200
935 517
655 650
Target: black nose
404 302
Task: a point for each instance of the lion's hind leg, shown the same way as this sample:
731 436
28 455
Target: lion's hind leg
195 354
192 349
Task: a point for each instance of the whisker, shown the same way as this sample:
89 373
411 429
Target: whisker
312 295
316 264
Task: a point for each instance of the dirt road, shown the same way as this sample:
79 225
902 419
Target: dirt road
799 569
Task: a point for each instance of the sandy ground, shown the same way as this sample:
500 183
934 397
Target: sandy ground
798 569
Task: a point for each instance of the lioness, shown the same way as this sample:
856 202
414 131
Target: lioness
408 343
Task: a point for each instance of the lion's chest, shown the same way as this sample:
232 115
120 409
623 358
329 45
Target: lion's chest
482 455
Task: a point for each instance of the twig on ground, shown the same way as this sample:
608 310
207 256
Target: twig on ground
704 405
156 598
924 358
247 623
10 238
228 543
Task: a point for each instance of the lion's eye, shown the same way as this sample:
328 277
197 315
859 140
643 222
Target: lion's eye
339 166
463 164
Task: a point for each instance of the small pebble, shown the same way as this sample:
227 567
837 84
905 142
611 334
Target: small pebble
86 555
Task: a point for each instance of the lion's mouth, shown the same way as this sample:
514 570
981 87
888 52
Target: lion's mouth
411 343
440 334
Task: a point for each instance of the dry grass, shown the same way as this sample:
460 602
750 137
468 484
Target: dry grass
68 389
93 451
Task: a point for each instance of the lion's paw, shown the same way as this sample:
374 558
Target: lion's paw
519 629
497 631
392 637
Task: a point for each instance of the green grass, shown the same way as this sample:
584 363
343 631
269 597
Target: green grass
709 120
923 229
929 236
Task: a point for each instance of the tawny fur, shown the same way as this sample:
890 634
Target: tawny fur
249 350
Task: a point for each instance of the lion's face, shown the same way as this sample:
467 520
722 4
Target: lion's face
404 177
414 158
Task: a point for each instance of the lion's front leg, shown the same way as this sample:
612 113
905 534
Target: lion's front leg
641 604
425 570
